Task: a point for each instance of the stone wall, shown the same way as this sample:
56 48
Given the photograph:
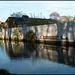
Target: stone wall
63 31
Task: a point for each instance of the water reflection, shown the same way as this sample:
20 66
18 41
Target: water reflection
19 50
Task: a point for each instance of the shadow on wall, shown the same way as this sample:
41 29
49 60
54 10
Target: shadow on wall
66 30
7 33
64 33
60 32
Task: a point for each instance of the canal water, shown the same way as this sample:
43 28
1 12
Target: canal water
29 58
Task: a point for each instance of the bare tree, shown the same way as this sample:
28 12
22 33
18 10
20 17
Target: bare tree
17 14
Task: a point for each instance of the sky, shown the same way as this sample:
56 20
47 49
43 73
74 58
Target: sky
36 8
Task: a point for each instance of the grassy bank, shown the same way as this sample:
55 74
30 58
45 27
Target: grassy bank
59 43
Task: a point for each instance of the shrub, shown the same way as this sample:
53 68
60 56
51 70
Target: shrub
30 36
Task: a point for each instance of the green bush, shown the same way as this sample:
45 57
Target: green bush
30 36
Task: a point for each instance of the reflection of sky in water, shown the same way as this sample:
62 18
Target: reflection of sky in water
33 65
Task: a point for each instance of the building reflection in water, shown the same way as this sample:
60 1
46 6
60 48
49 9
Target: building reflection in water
19 50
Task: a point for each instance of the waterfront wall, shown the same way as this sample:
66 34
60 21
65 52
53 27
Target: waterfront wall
63 32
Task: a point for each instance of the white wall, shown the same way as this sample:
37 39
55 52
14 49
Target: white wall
61 29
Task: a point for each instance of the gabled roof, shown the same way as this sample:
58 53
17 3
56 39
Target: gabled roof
16 20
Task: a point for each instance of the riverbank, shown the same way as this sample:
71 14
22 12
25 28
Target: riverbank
5 72
58 43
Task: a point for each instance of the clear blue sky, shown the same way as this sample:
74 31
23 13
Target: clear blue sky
35 7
